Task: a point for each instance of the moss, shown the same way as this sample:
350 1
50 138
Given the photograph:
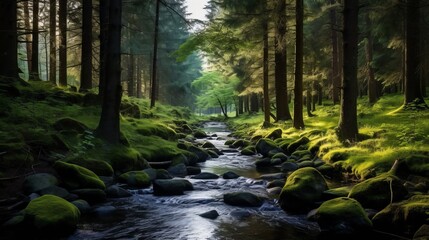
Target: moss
342 216
198 133
377 192
275 134
229 142
101 168
138 179
418 164
156 149
301 154
75 176
248 151
293 146
149 128
302 189
50 214
69 124
265 145
124 159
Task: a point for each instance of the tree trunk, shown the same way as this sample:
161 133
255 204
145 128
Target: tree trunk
28 35
62 22
53 41
347 126
34 72
104 19
412 80
336 82
86 62
254 103
153 95
139 77
240 105
372 84
265 73
131 82
309 100
8 39
298 121
246 103
282 105
108 127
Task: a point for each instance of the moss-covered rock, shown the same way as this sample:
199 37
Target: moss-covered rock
342 217
242 199
264 146
117 192
52 215
404 217
281 156
82 205
213 154
36 182
289 166
229 142
193 170
230 175
275 134
135 179
302 189
422 233
377 192
205 175
198 133
157 129
264 162
248 151
67 124
336 192
124 159
201 153
301 154
178 170
74 176
130 109
163 174
208 144
293 146
240 143
101 168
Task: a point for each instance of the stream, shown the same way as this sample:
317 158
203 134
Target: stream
145 216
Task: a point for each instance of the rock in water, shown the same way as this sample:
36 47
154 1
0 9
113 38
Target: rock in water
170 187
230 175
39 181
242 199
213 214
205 175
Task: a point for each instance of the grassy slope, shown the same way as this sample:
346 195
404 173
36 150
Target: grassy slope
388 134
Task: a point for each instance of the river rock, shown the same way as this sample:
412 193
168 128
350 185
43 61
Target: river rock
264 162
303 188
240 143
230 175
193 170
264 146
75 176
201 153
52 215
242 199
304 164
163 174
115 191
406 216
293 146
208 144
342 217
56 191
38 181
104 211
276 183
178 170
288 167
273 176
135 179
275 134
170 187
274 191
205 175
82 205
101 168
213 153
248 151
92 196
336 192
213 214
281 156
151 172
200 134
376 192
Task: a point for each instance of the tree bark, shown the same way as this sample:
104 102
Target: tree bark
86 56
28 35
265 73
347 126
412 80
108 127
139 77
34 72
372 84
153 95
8 39
298 121
53 41
131 82
240 105
62 22
104 19
336 82
282 105
254 103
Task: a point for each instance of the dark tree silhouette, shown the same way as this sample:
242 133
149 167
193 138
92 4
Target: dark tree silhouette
298 121
8 39
86 62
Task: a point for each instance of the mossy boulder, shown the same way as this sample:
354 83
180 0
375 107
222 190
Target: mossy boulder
336 192
240 143
178 170
303 188
289 166
293 146
136 179
264 146
342 217
208 144
229 142
377 192
170 187
101 168
74 176
201 153
52 215
157 129
404 217
275 134
242 199
422 233
198 133
300 154
124 159
69 124
264 162
248 151
130 109
230 175
281 156
36 182
205 175
163 174
191 170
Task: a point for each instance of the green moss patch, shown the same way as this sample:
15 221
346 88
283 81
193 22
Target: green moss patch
101 168
136 179
75 176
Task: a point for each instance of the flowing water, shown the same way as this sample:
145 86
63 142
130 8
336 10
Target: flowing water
145 216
